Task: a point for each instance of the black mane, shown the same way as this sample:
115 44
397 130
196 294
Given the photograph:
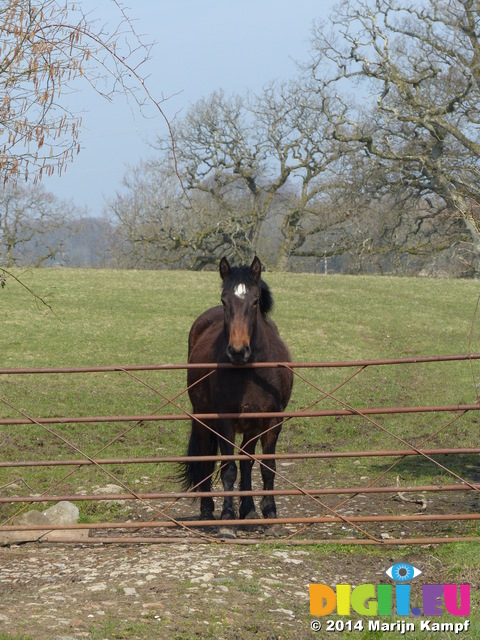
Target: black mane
243 275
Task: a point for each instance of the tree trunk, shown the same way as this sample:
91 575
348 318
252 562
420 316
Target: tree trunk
472 223
289 226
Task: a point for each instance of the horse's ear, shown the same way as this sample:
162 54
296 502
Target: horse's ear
256 269
224 268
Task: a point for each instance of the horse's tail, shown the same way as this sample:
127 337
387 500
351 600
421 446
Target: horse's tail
192 473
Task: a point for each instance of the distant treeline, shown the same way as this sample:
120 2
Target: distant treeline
437 248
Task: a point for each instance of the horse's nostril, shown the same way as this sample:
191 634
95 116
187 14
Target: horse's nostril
238 355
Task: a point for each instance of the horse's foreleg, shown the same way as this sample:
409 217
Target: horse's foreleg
269 441
228 473
247 506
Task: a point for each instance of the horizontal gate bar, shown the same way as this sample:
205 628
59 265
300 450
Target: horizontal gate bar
222 458
246 522
277 415
219 494
256 541
253 365
202 524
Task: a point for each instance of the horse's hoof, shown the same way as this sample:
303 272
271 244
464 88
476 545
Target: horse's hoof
206 516
227 532
252 515
274 530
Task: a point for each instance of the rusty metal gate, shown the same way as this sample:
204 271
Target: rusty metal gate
326 493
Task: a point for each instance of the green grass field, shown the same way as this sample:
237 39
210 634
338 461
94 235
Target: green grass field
138 317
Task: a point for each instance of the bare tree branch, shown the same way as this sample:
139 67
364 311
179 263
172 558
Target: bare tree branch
417 68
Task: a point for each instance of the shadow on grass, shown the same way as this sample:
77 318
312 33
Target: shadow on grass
425 471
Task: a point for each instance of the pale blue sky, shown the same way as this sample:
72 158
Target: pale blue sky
202 45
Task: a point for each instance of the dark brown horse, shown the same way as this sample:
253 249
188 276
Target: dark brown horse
240 332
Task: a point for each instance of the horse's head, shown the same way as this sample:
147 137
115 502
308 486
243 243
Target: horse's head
244 297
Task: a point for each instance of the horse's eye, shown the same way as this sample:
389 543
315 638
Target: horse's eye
255 302
223 301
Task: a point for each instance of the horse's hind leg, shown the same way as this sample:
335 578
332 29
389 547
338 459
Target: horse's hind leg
197 475
207 505
269 441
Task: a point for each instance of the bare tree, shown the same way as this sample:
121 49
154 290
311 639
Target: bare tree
147 214
33 225
401 80
243 155
46 48
299 143
221 160
46 45
157 226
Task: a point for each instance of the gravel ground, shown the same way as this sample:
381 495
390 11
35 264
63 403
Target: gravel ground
169 591
59 591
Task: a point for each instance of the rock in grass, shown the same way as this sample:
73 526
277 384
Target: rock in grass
32 517
62 513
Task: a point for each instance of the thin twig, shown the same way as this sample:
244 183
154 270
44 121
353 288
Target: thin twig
6 273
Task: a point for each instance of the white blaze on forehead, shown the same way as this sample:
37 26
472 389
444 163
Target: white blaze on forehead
240 291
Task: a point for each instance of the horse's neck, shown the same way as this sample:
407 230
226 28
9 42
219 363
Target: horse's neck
260 342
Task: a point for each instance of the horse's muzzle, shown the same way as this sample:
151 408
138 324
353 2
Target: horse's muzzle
239 356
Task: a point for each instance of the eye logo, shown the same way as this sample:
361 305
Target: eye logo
403 572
